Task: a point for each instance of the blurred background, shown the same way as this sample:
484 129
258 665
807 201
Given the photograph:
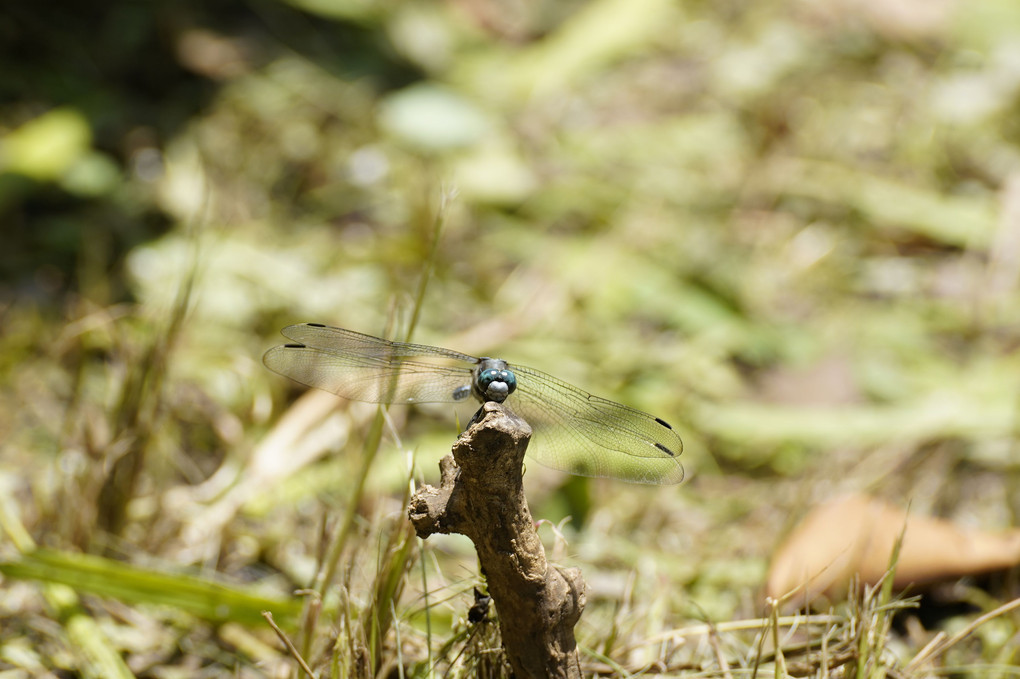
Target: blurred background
791 229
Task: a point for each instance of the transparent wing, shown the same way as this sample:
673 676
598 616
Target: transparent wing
574 431
583 434
366 368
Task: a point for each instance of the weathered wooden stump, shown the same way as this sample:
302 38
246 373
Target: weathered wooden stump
481 495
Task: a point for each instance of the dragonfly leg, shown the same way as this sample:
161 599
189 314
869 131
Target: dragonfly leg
477 417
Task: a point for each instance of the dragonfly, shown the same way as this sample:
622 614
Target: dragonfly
572 431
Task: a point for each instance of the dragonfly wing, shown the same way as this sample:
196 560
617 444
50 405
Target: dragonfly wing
574 431
583 434
365 368
346 341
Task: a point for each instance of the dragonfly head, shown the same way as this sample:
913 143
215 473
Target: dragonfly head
493 380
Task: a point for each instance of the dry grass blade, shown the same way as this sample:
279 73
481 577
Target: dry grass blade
291 648
942 642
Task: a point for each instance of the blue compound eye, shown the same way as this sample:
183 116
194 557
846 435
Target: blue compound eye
487 377
495 384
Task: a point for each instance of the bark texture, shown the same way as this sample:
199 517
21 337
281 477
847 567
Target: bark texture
481 495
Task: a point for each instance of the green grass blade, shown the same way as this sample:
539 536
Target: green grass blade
202 597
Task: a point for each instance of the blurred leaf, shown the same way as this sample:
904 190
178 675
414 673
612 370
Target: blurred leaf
963 221
854 536
978 406
100 658
495 173
599 34
339 9
433 118
46 147
207 599
93 174
982 25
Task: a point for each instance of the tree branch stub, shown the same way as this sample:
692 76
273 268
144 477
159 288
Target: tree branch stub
481 495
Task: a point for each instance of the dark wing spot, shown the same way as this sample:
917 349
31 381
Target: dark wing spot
664 423
664 448
294 346
316 325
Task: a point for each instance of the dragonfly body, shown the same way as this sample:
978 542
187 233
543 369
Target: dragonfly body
573 430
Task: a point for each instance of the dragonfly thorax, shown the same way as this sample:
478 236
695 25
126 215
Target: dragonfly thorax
493 381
